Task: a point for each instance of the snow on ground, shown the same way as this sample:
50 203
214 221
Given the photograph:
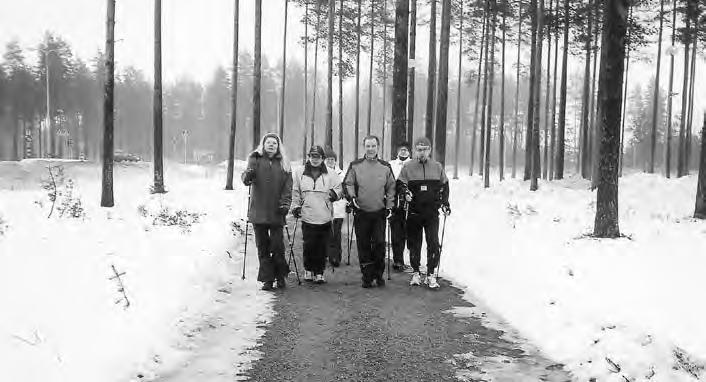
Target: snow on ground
628 309
63 317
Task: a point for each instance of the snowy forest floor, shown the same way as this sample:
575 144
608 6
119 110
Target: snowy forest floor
339 331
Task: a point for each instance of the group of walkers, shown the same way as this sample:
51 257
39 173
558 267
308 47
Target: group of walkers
406 193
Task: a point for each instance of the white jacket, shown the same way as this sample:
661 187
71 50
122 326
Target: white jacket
313 195
397 165
339 206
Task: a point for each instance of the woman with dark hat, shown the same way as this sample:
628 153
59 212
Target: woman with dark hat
314 190
268 173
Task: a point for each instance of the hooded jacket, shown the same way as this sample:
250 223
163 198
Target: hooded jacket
312 193
372 183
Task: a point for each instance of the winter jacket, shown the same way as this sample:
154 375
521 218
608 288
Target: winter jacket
312 195
371 183
339 206
397 164
428 183
271 190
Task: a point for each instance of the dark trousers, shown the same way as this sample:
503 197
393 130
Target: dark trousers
316 237
399 236
334 246
270 252
370 234
429 223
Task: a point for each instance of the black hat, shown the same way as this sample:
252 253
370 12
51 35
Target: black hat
422 141
317 149
402 144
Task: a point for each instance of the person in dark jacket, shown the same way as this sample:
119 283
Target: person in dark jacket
313 193
369 186
426 188
268 173
398 231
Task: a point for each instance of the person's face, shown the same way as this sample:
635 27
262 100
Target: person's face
331 162
271 145
403 153
422 153
315 160
371 148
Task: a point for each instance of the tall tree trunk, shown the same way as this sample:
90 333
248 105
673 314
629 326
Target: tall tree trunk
491 79
484 105
399 76
443 88
517 93
609 93
533 84
370 79
585 152
545 161
681 162
158 186
552 143
431 76
306 80
384 79
689 121
457 135
501 138
593 132
257 74
412 69
477 97
108 86
535 170
316 72
625 97
329 78
340 84
655 96
356 133
234 97
284 71
700 209
668 151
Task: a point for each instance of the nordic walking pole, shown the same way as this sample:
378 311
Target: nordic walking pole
291 250
350 238
387 246
333 269
441 245
247 223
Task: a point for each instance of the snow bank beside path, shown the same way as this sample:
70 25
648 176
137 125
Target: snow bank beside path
607 309
63 317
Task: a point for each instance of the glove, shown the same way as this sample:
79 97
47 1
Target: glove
332 196
408 196
249 176
388 213
349 209
354 204
283 211
446 209
297 212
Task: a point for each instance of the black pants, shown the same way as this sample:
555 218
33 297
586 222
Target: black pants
334 246
399 236
270 252
429 223
316 238
370 234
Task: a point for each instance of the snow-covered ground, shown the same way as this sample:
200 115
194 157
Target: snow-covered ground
63 317
629 309
613 310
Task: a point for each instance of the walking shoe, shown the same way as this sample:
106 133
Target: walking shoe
267 285
281 283
319 279
367 283
416 279
431 282
308 276
381 281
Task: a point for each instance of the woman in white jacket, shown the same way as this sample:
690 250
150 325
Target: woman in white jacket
314 191
339 212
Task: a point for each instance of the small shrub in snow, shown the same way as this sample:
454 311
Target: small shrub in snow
3 225
61 189
684 361
169 216
70 205
238 227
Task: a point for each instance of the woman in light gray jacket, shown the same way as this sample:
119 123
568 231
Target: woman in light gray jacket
314 190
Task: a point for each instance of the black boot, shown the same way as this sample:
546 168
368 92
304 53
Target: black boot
267 285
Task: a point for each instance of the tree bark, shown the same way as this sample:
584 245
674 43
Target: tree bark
431 76
535 170
700 209
681 162
655 96
316 72
356 124
284 71
107 180
443 87
501 138
399 76
340 84
234 97
593 131
457 135
668 151
384 79
690 120
158 186
491 79
609 93
625 97
257 74
370 79
545 161
477 98
552 142
517 93
533 83
484 105
329 79
585 153
412 69
306 80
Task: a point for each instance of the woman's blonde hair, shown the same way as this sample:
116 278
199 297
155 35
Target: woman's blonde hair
281 152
